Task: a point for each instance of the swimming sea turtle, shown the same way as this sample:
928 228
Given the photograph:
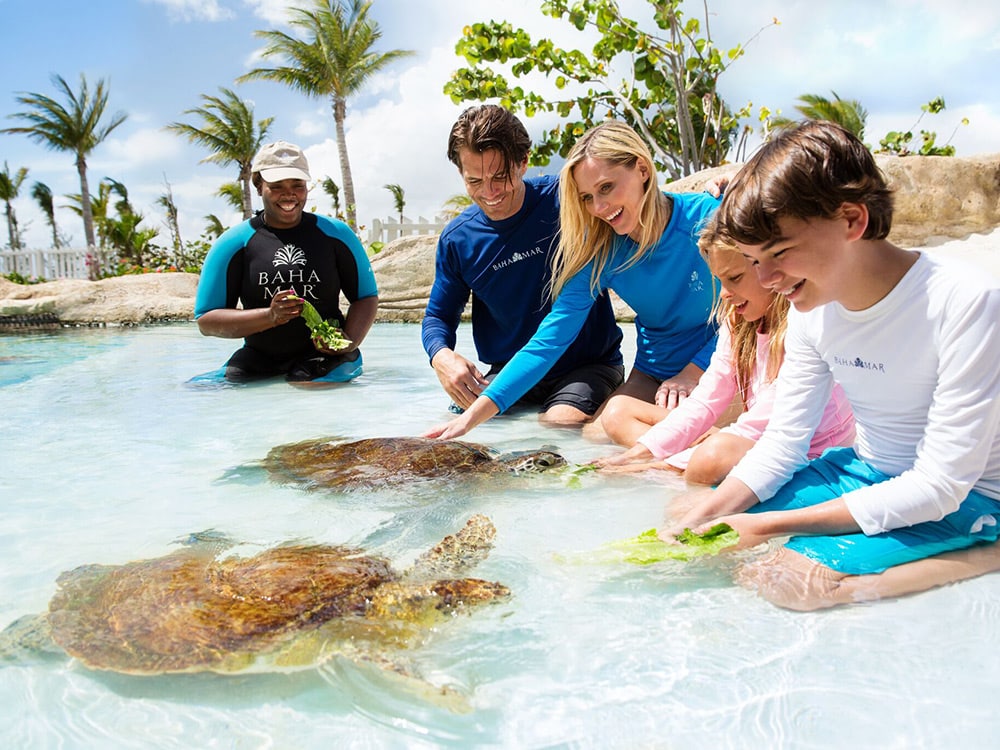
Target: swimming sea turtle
287 608
376 462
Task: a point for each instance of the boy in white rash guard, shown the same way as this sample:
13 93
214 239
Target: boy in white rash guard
915 345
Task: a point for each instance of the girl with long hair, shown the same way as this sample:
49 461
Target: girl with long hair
752 323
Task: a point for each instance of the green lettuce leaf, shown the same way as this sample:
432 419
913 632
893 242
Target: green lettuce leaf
571 475
648 548
327 331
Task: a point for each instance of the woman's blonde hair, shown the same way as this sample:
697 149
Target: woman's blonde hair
584 238
714 243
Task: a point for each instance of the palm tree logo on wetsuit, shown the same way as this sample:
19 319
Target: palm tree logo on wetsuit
289 255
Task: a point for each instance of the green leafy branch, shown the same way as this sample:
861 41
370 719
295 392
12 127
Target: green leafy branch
898 142
663 84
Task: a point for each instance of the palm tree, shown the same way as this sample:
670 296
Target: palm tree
166 201
10 186
334 58
128 239
455 205
99 206
845 112
214 227
122 232
43 197
76 128
230 133
232 193
330 188
397 198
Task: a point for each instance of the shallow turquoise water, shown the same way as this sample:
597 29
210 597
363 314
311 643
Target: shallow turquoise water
108 457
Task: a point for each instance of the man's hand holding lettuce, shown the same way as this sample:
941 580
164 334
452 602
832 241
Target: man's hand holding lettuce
326 334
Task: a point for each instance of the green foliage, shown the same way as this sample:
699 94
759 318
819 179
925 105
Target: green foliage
213 227
161 260
664 84
333 190
21 279
898 142
43 197
376 247
454 205
845 112
398 198
121 233
10 187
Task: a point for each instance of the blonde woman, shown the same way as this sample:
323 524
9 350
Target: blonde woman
620 232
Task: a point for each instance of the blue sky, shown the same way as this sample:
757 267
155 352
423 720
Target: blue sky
159 56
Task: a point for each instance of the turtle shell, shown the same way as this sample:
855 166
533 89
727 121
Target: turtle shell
375 462
188 611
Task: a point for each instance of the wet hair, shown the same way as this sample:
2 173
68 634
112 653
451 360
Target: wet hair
715 244
806 171
584 238
489 126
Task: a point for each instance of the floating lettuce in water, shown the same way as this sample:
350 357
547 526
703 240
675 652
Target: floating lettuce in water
327 331
649 548
571 476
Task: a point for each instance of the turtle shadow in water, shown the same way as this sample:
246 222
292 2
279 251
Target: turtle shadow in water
395 462
289 608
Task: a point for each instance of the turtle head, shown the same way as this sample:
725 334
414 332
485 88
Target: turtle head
461 593
428 602
534 461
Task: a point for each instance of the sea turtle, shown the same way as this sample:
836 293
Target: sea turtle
380 462
290 607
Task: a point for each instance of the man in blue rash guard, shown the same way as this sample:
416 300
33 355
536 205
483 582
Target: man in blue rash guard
258 272
499 250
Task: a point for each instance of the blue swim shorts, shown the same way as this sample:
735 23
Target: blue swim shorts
839 471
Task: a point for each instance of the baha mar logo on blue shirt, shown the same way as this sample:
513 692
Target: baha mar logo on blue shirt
516 256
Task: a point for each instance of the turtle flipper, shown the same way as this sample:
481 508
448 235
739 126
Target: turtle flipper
366 674
29 639
456 554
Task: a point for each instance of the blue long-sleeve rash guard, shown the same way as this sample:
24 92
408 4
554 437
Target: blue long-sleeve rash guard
670 290
505 266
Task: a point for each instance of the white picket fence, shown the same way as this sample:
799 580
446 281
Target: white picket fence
49 264
391 229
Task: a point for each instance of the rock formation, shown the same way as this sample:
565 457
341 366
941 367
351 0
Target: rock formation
140 298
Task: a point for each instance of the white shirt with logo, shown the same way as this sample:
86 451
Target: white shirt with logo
921 369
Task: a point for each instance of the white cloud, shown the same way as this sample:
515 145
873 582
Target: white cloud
308 128
139 149
194 10
274 11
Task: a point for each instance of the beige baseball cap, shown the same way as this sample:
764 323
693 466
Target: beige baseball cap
280 160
